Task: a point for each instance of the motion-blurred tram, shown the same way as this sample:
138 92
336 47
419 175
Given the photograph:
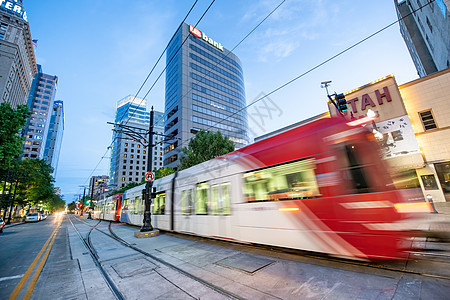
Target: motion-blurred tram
320 187
109 208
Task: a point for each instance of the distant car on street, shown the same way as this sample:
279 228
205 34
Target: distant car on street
43 216
33 217
2 224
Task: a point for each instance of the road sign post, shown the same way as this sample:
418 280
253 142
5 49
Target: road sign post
147 226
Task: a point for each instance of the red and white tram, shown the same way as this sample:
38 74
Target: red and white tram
109 208
320 187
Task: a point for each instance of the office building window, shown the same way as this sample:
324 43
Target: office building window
427 119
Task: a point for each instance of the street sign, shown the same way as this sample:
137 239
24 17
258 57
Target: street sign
149 176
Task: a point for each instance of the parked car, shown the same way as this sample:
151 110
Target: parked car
33 217
43 216
2 224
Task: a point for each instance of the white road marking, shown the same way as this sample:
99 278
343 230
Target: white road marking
11 277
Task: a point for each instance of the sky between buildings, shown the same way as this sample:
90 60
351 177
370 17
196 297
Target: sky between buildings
102 51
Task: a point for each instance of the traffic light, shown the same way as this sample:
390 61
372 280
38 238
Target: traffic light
341 102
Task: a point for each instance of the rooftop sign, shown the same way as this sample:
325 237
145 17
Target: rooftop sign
202 35
14 6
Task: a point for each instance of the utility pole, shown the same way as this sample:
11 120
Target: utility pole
147 226
82 201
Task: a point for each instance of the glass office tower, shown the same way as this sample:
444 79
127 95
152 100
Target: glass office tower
204 90
426 32
128 154
40 102
55 135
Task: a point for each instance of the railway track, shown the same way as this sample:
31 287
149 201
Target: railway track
392 269
88 244
115 288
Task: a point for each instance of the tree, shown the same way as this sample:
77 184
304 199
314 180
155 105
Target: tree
39 181
11 122
71 206
121 190
57 203
204 146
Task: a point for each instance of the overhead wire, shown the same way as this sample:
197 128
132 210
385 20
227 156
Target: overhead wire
158 60
173 57
319 65
306 72
237 45
146 79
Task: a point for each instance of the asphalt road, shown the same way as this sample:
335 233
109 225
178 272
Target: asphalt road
19 246
243 270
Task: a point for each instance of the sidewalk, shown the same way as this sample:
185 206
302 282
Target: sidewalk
443 208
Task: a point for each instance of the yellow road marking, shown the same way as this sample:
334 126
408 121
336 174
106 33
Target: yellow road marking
24 279
41 266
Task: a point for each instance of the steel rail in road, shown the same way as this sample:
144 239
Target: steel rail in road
87 243
196 278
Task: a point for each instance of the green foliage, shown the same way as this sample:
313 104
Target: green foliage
127 187
204 146
11 122
38 180
163 172
55 204
71 206
34 183
160 173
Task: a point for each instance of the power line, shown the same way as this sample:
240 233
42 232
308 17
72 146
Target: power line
173 57
157 78
159 59
237 45
319 65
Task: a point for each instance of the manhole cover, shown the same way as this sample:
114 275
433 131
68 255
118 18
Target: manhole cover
245 262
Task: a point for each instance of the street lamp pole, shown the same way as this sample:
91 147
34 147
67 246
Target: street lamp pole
149 184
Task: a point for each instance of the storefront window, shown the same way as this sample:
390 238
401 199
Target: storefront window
429 182
443 172
406 180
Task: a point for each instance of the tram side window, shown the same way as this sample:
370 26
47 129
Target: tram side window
125 204
201 199
186 202
136 206
132 206
159 204
355 174
220 199
289 181
141 205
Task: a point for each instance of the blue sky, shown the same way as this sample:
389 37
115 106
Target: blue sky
102 50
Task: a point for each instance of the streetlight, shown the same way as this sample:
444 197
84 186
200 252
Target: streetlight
147 226
141 138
